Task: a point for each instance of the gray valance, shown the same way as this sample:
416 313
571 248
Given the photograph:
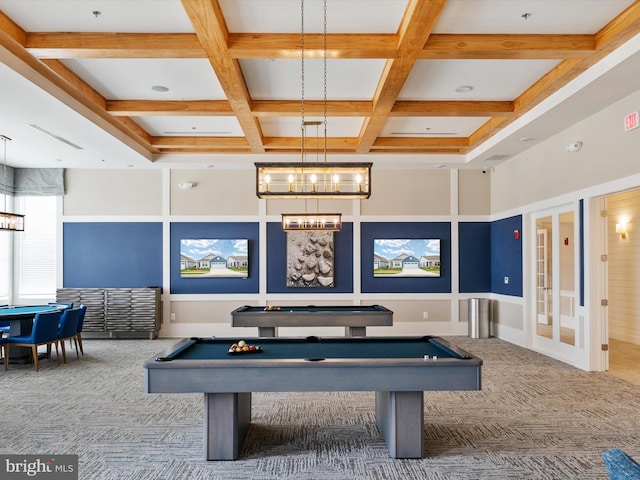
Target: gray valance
22 182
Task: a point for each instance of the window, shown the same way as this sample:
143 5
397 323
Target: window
36 249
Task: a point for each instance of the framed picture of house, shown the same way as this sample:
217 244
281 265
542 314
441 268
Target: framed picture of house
211 258
406 257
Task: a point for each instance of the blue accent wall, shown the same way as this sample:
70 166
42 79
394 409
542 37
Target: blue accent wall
474 250
277 261
112 254
506 256
369 231
228 230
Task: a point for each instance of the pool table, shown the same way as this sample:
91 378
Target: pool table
398 369
355 318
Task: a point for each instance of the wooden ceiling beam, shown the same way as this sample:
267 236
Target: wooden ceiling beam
210 27
419 20
190 142
451 108
288 45
149 108
621 29
64 45
292 108
456 46
114 45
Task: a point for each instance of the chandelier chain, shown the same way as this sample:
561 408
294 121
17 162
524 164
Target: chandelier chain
302 68
324 66
4 158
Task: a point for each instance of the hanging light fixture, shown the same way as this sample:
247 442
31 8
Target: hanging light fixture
313 179
9 221
327 222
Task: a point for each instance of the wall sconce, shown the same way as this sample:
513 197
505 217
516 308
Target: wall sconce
326 222
621 228
187 185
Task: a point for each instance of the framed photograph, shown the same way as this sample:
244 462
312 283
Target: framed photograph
310 259
406 257
217 257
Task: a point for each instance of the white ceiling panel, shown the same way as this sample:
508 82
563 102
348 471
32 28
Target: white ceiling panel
185 125
186 79
343 16
426 127
490 79
292 126
545 16
141 16
346 79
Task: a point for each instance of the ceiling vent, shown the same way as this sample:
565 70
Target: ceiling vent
53 135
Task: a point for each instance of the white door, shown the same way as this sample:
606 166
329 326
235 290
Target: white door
556 276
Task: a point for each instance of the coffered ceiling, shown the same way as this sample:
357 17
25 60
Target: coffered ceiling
145 83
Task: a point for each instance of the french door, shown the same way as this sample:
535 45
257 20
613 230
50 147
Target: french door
555 273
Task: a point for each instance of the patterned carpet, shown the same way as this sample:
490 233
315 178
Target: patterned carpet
535 418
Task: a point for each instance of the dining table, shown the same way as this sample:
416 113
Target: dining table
20 320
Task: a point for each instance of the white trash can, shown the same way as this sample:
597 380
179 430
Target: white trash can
479 318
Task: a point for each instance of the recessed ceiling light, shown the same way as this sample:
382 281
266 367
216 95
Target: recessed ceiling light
464 89
160 88
440 165
527 139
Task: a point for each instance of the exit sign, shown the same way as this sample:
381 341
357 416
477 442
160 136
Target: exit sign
631 121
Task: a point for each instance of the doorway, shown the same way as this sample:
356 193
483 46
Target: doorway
622 283
556 281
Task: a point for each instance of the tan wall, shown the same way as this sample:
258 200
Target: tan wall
548 170
112 192
217 192
624 267
409 192
280 206
474 192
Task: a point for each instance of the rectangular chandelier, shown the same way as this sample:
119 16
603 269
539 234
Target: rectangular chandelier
313 180
326 222
11 221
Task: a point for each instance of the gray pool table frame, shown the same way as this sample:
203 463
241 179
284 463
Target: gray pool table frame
227 385
355 321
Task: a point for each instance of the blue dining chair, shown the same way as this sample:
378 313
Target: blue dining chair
68 329
61 304
83 312
43 332
5 325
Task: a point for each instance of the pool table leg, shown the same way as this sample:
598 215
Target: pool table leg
226 421
267 331
400 418
355 331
